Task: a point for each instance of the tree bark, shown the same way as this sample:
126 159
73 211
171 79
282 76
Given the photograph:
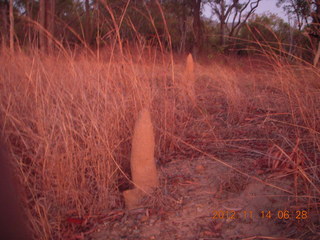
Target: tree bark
88 23
42 20
316 32
183 31
4 27
317 56
11 26
29 16
197 28
13 224
50 13
97 20
222 24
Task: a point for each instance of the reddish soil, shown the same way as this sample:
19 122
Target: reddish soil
201 199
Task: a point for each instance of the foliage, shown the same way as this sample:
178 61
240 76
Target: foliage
272 32
300 9
151 22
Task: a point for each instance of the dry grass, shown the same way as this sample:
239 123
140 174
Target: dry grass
68 123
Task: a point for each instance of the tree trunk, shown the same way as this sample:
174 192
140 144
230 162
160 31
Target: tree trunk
222 24
316 32
222 32
197 27
42 19
317 56
11 26
29 16
97 20
88 23
4 26
50 13
183 31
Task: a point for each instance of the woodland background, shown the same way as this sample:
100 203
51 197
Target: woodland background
175 25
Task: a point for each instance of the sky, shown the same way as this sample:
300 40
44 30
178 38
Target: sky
264 6
270 5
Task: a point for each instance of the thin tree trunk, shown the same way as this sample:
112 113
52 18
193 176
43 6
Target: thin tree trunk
183 32
97 8
4 27
88 23
197 28
222 24
11 26
317 56
50 13
29 15
222 32
42 16
291 37
316 30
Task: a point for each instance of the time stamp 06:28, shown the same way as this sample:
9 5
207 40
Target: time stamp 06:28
280 214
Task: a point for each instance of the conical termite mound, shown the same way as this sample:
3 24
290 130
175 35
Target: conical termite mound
189 78
142 162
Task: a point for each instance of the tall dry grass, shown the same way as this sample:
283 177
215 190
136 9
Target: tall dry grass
68 123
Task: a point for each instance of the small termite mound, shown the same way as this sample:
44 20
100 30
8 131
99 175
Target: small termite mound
142 162
189 78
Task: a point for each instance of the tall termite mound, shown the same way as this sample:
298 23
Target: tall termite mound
143 166
189 78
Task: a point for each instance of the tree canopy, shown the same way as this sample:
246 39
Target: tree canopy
173 25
